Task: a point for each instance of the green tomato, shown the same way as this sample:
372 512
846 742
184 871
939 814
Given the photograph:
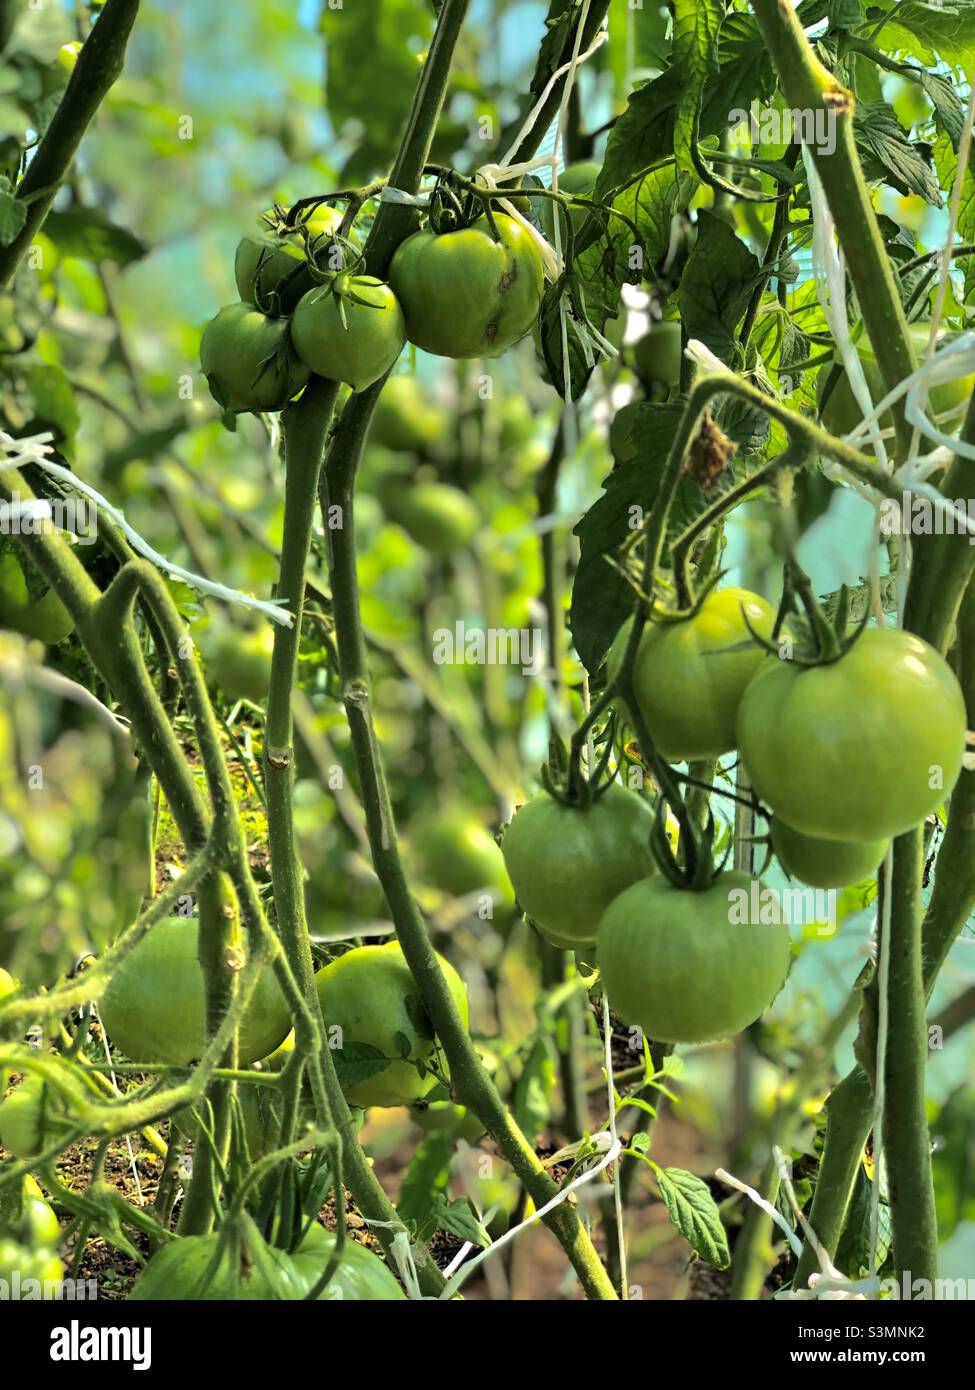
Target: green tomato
466 294
20 1263
444 1117
576 178
689 676
278 265
42 617
68 55
402 419
863 748
657 355
188 1270
154 1007
567 864
676 963
239 660
38 1222
841 414
7 983
437 516
32 1117
248 360
622 437
825 863
370 995
350 330
461 856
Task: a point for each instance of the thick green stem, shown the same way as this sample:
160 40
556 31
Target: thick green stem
810 87
850 1106
470 1081
99 64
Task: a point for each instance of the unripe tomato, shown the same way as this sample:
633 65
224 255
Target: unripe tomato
184 1270
622 439
576 178
403 420
657 356
279 266
7 983
860 749
567 864
239 660
248 360
20 1262
32 1117
364 347
689 676
825 863
680 966
68 55
841 413
38 1223
154 1008
437 516
43 617
371 996
465 294
461 856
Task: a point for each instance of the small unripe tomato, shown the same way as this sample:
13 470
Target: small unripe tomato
350 329
248 360
825 863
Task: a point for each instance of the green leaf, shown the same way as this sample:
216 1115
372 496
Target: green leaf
888 154
356 1062
419 1017
533 1091
844 14
931 30
601 596
696 26
853 1251
13 215
372 57
953 1162
718 279
694 1212
460 1219
424 1183
91 236
948 107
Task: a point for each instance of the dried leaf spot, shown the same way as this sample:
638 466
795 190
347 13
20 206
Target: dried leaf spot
710 453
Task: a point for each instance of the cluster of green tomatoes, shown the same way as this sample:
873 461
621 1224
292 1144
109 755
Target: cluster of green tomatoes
843 753
307 307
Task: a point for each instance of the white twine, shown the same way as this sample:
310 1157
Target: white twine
601 1141
37 449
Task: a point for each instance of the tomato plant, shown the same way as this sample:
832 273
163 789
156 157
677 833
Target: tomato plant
370 996
841 414
690 674
349 329
248 360
199 1267
342 825
278 266
155 1011
825 863
568 863
676 963
469 293
861 748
